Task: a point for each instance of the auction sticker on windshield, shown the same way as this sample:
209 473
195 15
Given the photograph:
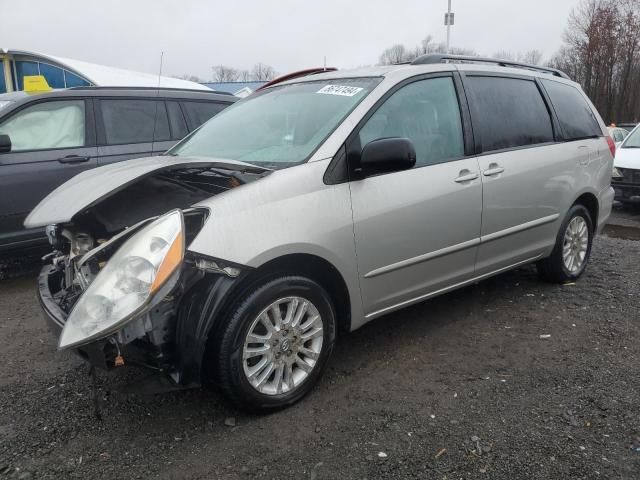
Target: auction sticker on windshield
342 90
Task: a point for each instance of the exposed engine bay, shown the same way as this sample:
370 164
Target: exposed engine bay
84 246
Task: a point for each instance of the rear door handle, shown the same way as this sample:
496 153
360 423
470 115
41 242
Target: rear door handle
494 169
466 176
73 159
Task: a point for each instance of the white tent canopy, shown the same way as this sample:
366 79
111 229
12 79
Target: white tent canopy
104 76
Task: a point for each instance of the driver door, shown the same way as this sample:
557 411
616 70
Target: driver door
417 231
52 141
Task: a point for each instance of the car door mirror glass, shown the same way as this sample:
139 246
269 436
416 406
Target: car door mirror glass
387 155
5 143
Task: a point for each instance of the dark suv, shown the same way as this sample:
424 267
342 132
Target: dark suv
53 136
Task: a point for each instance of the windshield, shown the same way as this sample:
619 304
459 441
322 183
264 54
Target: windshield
633 139
278 128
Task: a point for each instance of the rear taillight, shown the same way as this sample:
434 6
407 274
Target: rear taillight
612 146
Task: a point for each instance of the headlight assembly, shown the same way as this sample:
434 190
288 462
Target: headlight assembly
130 281
616 173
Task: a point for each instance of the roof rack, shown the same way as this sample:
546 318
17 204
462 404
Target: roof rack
443 58
121 87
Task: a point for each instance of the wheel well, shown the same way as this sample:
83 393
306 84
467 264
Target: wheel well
313 267
590 202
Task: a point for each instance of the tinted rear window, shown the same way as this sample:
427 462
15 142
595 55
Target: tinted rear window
200 112
176 120
573 112
132 121
509 112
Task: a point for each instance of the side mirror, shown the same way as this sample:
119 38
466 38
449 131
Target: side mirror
5 144
387 155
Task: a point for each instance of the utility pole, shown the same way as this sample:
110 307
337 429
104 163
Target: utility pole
448 21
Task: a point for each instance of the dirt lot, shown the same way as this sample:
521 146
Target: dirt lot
462 386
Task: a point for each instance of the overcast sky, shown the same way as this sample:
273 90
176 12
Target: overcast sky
287 34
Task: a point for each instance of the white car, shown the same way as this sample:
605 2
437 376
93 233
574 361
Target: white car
618 134
626 169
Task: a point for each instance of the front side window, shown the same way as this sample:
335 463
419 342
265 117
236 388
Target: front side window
427 113
279 127
509 113
573 112
47 125
132 121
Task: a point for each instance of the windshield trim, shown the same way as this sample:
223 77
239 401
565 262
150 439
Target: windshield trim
301 81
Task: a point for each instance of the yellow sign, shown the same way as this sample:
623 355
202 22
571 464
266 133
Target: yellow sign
36 83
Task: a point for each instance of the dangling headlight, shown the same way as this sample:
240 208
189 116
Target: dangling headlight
130 281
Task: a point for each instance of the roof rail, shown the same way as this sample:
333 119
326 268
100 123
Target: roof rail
121 87
442 58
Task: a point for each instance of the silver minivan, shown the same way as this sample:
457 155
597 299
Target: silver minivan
315 206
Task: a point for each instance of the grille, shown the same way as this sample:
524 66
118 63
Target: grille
631 175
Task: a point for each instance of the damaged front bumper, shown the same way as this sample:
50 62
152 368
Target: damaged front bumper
195 313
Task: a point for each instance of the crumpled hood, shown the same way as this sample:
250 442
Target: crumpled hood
91 186
627 158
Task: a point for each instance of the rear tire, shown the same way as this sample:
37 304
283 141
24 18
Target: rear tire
289 325
572 250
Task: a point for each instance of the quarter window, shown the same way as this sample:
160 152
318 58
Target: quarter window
509 112
574 113
44 126
427 113
132 121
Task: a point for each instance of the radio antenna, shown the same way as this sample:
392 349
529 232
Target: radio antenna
155 115
160 71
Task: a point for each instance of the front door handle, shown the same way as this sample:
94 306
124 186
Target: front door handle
73 159
466 176
494 169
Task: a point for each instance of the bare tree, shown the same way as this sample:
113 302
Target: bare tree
505 55
191 78
400 53
602 51
261 72
532 57
222 73
395 54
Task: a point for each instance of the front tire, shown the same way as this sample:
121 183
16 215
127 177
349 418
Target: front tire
572 250
275 344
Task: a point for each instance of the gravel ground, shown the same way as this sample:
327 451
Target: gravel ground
459 387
